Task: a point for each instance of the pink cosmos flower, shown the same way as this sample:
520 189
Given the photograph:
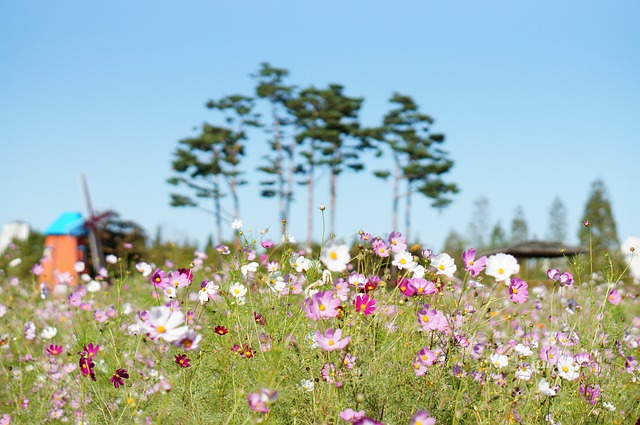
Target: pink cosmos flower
518 292
380 248
472 265
422 286
258 402
432 320
564 279
365 304
321 305
422 417
614 297
179 280
351 415
267 244
332 340
397 242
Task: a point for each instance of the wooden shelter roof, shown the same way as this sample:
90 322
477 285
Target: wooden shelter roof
540 249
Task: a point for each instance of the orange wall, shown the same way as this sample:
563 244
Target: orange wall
61 255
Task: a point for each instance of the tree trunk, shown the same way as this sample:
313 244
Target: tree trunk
396 194
407 215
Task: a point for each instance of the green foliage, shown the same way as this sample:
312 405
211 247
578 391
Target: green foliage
20 256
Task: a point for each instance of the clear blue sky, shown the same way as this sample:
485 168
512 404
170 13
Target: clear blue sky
537 100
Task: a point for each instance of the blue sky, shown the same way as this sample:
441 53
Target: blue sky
537 100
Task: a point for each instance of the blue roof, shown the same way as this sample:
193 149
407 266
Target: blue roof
69 223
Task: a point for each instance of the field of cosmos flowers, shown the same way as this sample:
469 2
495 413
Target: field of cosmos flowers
367 331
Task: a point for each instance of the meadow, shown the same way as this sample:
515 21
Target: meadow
366 331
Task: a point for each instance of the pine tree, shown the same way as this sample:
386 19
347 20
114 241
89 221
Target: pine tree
417 158
557 221
598 229
519 228
281 164
328 129
210 160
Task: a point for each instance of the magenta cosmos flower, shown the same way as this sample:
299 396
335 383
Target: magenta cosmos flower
332 340
472 265
518 292
365 304
118 378
159 278
321 305
54 350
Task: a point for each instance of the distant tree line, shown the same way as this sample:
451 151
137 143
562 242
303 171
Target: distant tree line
310 131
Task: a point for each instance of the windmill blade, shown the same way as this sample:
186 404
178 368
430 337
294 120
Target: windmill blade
97 257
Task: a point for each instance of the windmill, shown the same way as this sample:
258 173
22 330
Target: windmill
91 227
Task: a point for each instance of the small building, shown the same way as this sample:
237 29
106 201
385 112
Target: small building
64 246
16 230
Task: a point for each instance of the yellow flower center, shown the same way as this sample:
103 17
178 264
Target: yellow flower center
403 261
333 255
500 271
161 329
441 266
322 307
514 290
425 318
565 369
471 263
330 343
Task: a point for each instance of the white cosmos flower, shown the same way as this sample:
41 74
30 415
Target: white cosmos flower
544 388
444 264
403 260
307 385
164 323
501 266
251 267
15 262
49 332
301 264
111 259
236 224
276 282
335 256
499 360
419 271
207 292
524 372
93 286
144 268
522 350
567 368
237 289
79 267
